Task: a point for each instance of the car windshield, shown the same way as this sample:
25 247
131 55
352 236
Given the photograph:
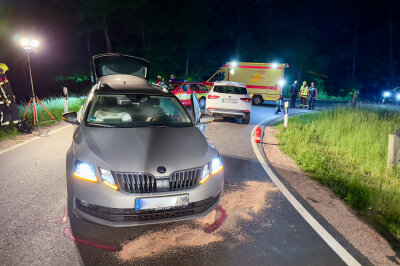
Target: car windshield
135 110
230 89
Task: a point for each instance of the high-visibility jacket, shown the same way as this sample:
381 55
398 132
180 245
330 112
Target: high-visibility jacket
304 91
6 95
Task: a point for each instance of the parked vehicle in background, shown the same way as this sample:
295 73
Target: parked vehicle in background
229 99
261 79
391 97
185 89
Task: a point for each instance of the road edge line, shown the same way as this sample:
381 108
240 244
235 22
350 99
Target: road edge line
32 139
318 228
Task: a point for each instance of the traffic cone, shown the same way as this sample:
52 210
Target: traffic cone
258 134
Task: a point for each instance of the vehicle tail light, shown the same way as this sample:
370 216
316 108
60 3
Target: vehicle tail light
247 100
213 97
246 111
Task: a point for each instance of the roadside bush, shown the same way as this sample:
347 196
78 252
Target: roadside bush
54 105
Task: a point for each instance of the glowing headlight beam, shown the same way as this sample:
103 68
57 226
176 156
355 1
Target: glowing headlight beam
108 179
85 171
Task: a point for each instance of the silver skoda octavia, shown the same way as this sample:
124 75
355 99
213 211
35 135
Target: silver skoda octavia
137 156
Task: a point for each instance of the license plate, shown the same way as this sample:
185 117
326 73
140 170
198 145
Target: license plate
229 100
161 203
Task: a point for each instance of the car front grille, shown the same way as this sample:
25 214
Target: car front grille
146 183
184 179
135 182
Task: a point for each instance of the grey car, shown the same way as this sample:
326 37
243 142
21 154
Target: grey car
137 156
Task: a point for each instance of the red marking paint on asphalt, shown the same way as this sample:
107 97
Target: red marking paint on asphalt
68 233
61 220
219 221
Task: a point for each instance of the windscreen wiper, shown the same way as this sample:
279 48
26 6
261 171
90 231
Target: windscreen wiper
99 125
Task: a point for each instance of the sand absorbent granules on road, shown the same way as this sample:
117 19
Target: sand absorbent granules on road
241 204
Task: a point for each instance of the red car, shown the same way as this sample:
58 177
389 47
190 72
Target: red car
185 89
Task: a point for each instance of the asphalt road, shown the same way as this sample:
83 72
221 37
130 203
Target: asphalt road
261 227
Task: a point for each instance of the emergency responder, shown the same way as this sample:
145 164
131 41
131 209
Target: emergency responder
158 80
303 95
8 107
171 78
312 95
293 94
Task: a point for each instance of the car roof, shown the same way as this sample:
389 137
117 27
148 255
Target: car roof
229 83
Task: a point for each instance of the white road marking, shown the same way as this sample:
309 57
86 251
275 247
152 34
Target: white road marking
32 139
319 229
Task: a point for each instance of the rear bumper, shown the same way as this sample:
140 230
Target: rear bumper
226 112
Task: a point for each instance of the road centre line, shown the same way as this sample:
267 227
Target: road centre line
32 139
318 228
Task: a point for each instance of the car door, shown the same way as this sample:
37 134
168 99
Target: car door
183 93
195 88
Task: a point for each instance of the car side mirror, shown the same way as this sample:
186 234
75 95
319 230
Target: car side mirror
70 117
180 90
205 119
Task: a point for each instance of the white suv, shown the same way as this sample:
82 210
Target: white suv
229 99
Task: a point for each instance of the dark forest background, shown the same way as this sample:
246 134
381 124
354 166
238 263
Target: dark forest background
353 43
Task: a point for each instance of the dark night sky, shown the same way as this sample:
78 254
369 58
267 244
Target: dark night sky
319 36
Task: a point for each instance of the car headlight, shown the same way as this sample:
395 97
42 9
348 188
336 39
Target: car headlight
216 165
398 96
206 174
84 171
108 179
386 94
213 168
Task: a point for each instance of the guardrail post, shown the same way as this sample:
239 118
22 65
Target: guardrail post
286 116
65 92
393 151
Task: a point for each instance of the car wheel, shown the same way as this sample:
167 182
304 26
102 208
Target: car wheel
202 102
246 118
257 100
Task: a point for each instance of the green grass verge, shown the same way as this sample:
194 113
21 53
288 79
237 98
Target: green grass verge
54 105
346 150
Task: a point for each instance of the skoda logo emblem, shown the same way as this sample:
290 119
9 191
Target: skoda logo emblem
161 169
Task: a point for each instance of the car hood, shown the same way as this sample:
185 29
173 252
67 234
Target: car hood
143 149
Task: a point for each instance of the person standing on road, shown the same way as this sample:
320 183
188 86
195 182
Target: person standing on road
8 107
293 94
303 95
158 80
312 95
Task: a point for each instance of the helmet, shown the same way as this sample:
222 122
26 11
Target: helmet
172 76
4 67
305 83
24 126
158 77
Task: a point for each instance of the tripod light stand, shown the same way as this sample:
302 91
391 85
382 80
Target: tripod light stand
29 47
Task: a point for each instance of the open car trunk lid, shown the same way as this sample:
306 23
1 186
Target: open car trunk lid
119 64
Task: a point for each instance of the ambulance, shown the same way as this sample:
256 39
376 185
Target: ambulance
263 81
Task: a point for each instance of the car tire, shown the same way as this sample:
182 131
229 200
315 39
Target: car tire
246 119
257 100
202 102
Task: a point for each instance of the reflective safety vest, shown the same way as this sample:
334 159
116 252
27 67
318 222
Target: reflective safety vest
304 90
6 95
